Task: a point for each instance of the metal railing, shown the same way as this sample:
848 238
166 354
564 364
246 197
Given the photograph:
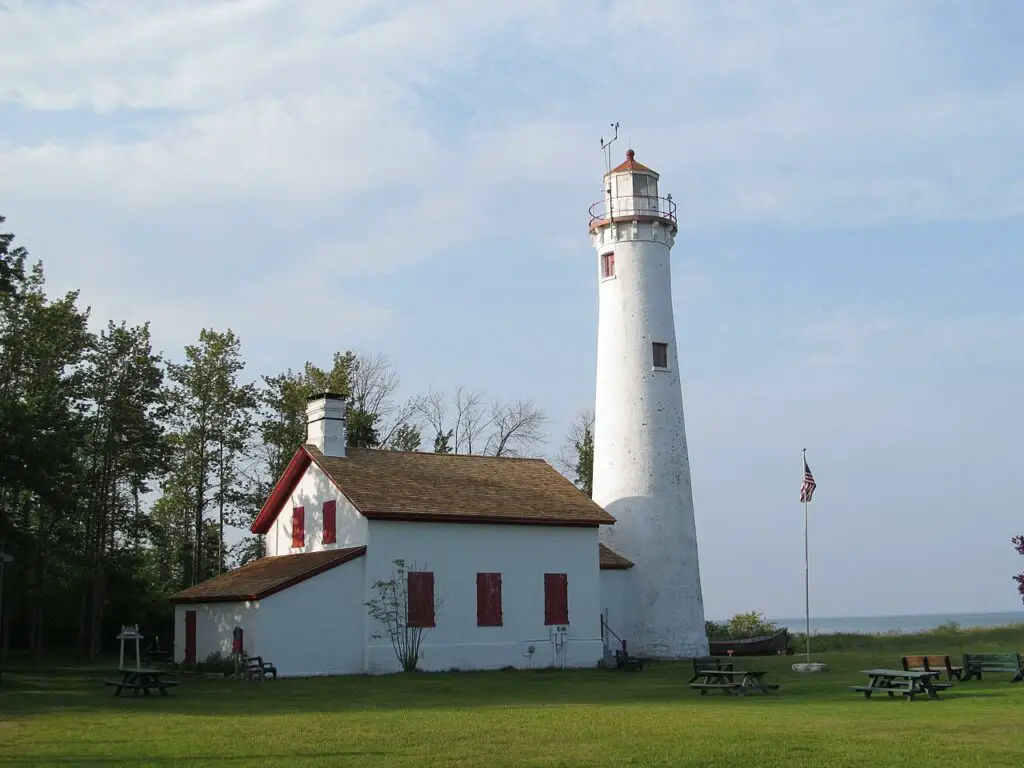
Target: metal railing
632 206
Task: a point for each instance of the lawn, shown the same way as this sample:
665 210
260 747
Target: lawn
544 718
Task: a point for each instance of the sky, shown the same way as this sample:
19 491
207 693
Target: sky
412 179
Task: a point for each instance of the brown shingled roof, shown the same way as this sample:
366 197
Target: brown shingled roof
612 561
262 578
397 485
631 165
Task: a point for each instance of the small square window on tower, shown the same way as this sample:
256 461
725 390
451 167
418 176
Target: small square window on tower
660 349
608 265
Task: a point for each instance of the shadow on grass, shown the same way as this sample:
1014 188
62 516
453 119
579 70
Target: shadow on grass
26 692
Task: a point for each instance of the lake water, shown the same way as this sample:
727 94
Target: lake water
879 624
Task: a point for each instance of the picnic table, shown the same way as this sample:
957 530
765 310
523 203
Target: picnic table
725 680
143 680
907 682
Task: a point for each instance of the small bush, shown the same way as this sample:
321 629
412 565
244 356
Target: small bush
752 624
716 630
216 662
740 626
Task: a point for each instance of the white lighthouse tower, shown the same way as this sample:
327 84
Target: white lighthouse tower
641 466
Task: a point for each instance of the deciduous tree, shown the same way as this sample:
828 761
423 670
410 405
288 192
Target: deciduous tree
576 457
209 407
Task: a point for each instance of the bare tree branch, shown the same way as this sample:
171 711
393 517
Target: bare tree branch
514 429
470 419
431 409
373 384
517 428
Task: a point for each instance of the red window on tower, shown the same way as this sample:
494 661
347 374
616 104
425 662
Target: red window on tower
420 603
330 522
556 598
608 265
298 527
488 599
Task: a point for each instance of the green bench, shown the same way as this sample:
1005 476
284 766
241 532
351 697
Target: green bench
704 664
976 663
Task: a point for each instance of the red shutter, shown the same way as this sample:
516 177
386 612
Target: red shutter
298 527
608 265
420 607
556 598
190 637
330 522
488 600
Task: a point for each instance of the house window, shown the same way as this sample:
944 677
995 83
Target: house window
420 603
298 527
488 599
660 354
556 598
608 265
330 522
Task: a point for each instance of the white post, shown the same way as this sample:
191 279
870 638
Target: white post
120 663
807 568
807 586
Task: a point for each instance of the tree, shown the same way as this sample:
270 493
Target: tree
516 428
442 442
471 427
124 449
43 348
12 262
210 412
390 608
407 437
1018 544
576 458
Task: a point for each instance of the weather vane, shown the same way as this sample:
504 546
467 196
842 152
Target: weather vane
606 148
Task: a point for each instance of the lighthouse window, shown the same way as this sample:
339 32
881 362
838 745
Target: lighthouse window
660 354
608 265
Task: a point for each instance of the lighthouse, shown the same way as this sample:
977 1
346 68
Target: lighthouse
641 465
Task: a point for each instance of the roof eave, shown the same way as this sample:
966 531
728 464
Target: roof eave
282 490
238 597
439 517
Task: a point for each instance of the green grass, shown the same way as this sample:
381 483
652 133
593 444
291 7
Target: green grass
543 718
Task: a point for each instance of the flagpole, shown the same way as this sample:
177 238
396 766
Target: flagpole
807 573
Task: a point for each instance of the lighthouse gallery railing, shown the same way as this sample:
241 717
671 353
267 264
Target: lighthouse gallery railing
632 206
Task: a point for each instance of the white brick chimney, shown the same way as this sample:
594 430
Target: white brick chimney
325 423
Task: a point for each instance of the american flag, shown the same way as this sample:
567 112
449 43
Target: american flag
807 489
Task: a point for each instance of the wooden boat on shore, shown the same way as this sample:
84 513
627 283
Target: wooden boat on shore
765 645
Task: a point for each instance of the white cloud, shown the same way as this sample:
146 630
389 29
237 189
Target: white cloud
786 113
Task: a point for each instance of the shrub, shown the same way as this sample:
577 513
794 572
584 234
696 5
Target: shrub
216 662
716 630
740 626
750 624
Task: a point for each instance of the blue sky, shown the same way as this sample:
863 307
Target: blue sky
412 179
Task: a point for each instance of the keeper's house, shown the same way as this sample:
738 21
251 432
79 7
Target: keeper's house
506 568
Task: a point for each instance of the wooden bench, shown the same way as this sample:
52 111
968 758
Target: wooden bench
976 663
932 664
704 664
